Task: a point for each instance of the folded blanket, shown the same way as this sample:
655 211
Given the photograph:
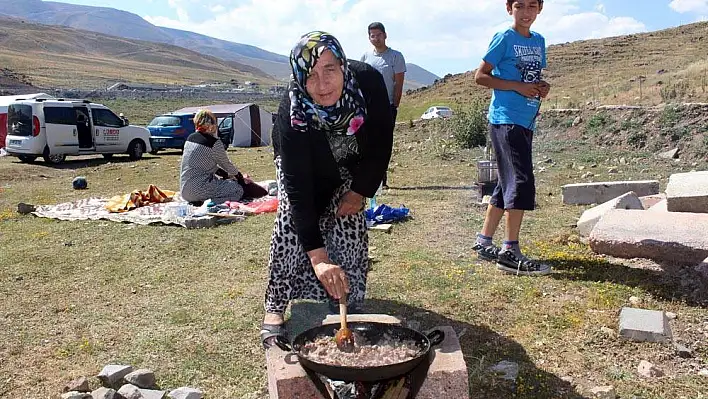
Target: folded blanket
136 199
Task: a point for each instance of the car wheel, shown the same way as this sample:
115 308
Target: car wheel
27 158
108 156
136 148
54 159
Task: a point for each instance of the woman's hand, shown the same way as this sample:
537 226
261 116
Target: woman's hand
247 179
332 277
544 87
350 204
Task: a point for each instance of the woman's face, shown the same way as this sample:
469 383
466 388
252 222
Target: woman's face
326 81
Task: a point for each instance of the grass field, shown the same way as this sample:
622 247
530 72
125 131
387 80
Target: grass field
188 303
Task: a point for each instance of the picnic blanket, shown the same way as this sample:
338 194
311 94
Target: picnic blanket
149 213
137 199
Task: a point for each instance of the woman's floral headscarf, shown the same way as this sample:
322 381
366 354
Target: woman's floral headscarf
343 118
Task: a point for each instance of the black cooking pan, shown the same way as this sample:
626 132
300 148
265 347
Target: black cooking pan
373 333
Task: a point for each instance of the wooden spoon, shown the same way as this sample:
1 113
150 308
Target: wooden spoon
344 337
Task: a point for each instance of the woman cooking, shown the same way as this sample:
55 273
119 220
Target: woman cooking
332 141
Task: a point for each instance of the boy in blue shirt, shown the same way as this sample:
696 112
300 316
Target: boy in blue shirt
512 68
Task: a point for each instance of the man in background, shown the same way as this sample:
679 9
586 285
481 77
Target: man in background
390 63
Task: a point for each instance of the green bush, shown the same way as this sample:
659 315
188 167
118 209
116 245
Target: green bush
469 126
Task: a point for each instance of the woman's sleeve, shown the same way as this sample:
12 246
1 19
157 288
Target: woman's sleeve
297 172
378 142
222 159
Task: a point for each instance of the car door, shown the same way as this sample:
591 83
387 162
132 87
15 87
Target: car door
108 134
60 129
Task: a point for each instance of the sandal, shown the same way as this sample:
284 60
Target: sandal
270 333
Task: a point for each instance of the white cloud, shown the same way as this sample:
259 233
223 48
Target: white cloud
601 8
442 36
684 6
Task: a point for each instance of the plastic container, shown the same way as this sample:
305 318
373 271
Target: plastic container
487 171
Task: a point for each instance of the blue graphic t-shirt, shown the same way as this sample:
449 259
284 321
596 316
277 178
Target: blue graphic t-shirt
519 58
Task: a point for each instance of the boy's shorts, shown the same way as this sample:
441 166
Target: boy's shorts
516 187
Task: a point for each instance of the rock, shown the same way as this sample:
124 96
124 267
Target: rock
587 175
185 393
671 315
623 161
648 370
76 395
509 370
612 170
683 351
129 391
671 154
152 394
581 167
659 207
25 209
644 325
651 200
606 392
601 192
608 331
104 393
80 384
590 217
141 378
675 237
688 192
113 374
635 300
703 372
578 120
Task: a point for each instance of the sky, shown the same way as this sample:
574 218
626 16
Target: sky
443 36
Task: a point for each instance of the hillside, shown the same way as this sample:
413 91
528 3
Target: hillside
59 57
671 62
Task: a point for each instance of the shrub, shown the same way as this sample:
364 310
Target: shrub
469 126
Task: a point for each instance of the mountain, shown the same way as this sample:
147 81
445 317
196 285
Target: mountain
670 64
125 24
60 57
417 77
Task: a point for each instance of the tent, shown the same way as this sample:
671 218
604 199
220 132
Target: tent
7 100
251 125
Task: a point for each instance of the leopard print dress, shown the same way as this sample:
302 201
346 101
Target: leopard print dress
291 274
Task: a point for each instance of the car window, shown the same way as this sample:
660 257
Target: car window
19 120
226 123
60 115
164 121
106 118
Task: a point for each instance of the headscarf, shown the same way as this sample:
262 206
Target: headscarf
341 120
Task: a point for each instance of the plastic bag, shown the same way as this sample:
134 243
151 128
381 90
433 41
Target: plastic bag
386 214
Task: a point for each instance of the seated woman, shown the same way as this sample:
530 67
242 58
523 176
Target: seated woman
332 142
206 171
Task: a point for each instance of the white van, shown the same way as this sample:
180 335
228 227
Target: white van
55 128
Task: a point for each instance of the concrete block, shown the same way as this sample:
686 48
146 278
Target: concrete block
671 236
644 325
659 207
447 375
591 216
376 318
650 200
598 193
688 192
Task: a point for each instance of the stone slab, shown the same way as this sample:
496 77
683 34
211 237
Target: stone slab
644 325
600 192
650 200
688 192
447 375
679 238
590 217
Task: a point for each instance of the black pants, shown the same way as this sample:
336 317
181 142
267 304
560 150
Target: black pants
516 188
394 114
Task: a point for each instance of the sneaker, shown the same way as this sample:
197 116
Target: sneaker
508 262
488 252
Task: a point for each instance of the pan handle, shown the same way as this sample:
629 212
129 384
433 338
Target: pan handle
436 337
283 343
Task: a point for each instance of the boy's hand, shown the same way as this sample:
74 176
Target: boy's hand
544 88
530 90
